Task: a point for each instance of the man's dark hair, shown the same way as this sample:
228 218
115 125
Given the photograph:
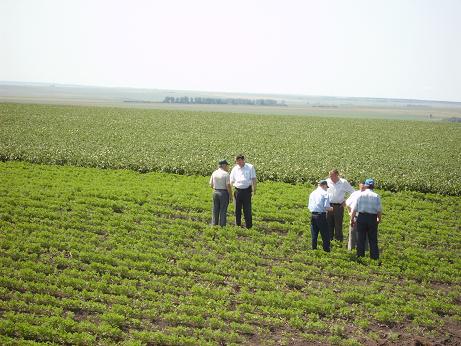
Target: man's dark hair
334 171
239 157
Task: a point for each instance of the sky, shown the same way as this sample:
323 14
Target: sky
390 48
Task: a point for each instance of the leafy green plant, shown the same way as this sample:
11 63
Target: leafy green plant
408 156
74 271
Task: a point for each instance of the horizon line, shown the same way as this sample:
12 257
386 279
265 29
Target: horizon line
52 84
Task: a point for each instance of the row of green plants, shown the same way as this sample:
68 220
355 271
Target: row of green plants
401 155
91 256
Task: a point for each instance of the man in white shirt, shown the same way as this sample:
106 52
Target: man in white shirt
350 202
222 193
369 209
337 188
319 204
243 178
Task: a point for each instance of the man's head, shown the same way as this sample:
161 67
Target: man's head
334 175
323 184
223 164
362 186
369 184
240 160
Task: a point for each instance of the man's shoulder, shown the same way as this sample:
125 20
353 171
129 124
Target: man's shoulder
343 181
355 194
320 192
249 165
371 193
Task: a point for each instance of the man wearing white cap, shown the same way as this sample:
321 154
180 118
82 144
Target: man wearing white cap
352 243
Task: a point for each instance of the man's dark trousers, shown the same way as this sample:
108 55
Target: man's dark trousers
335 221
367 225
319 224
243 199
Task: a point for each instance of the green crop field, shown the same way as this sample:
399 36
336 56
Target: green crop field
94 256
401 155
125 255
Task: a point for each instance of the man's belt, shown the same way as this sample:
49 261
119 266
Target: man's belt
245 188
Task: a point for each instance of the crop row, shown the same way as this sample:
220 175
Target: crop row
400 155
92 256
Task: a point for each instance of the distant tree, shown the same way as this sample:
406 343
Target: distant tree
218 100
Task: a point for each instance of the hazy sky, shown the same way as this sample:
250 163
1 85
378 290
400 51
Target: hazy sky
398 49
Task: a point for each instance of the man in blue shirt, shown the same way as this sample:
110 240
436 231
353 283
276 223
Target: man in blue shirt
319 204
368 207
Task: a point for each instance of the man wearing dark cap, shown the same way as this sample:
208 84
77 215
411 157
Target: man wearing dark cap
222 193
319 204
368 207
243 178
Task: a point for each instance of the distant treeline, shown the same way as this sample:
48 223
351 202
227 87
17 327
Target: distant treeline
223 101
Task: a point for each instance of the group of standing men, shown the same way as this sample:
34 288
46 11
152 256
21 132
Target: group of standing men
326 204
243 179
